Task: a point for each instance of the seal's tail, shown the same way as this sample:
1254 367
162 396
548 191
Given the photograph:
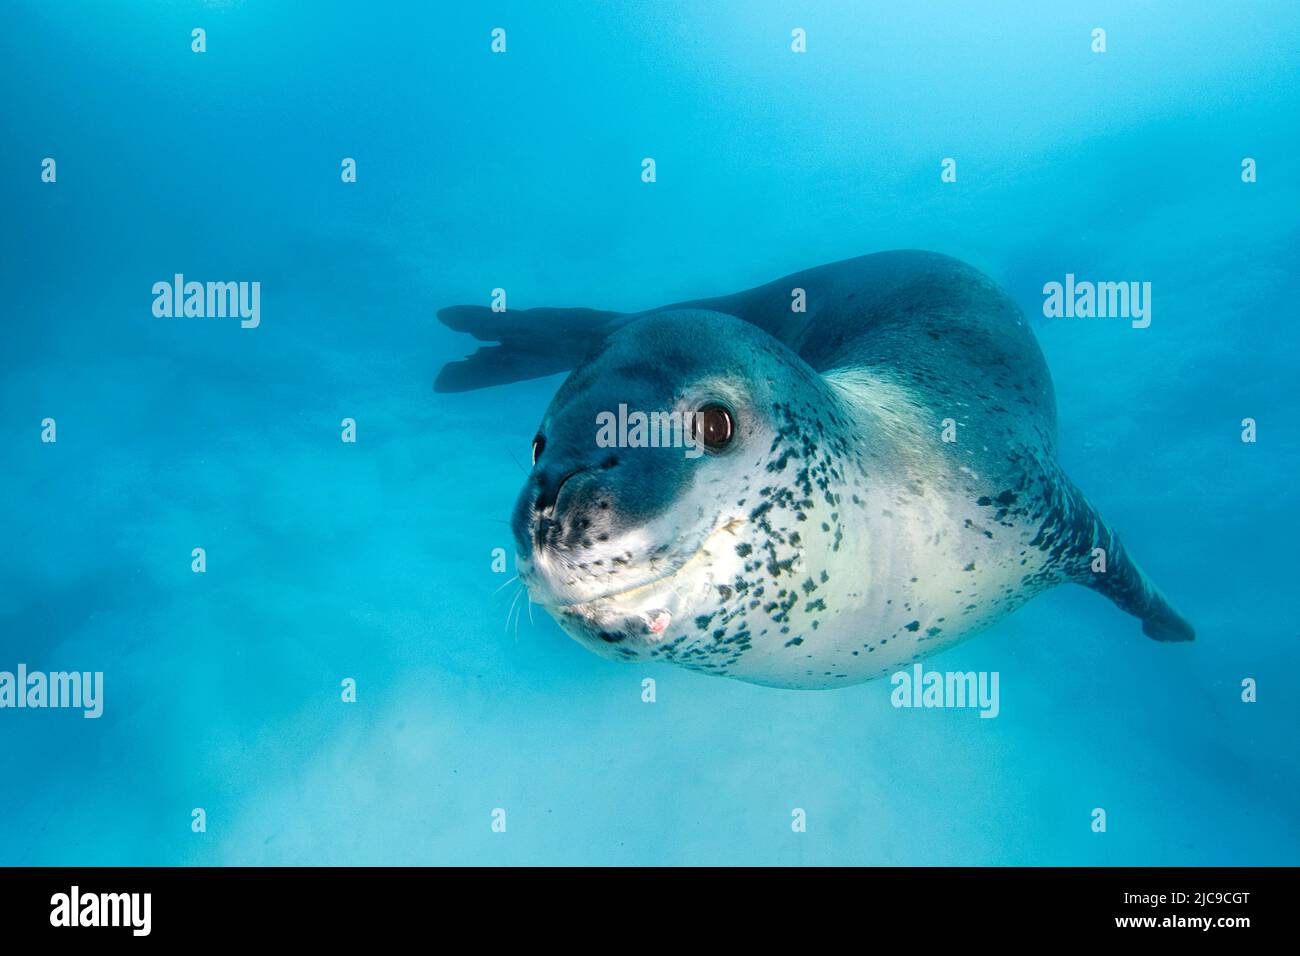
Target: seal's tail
1095 557
533 343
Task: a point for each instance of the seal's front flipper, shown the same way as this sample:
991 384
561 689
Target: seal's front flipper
1097 559
533 343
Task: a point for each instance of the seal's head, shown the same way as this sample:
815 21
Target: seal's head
683 477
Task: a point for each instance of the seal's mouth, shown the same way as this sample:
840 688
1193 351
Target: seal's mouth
683 570
645 614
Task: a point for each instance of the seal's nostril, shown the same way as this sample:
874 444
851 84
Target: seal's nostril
548 495
549 526
542 532
562 481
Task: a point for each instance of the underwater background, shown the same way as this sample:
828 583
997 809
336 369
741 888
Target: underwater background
522 170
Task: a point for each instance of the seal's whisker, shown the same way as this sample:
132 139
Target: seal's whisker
512 607
506 585
519 611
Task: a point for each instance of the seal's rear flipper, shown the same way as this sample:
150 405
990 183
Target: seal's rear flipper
1121 580
1125 584
1163 623
533 343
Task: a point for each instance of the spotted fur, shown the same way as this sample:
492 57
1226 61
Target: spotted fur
839 536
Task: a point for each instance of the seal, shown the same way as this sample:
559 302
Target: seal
879 477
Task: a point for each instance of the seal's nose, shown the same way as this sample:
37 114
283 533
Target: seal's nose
548 492
553 516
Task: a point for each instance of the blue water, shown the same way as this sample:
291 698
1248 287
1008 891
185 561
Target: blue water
372 560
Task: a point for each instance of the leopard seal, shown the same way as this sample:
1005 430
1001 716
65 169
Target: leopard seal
880 478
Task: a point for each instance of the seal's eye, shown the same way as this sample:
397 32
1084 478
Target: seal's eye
714 426
539 445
